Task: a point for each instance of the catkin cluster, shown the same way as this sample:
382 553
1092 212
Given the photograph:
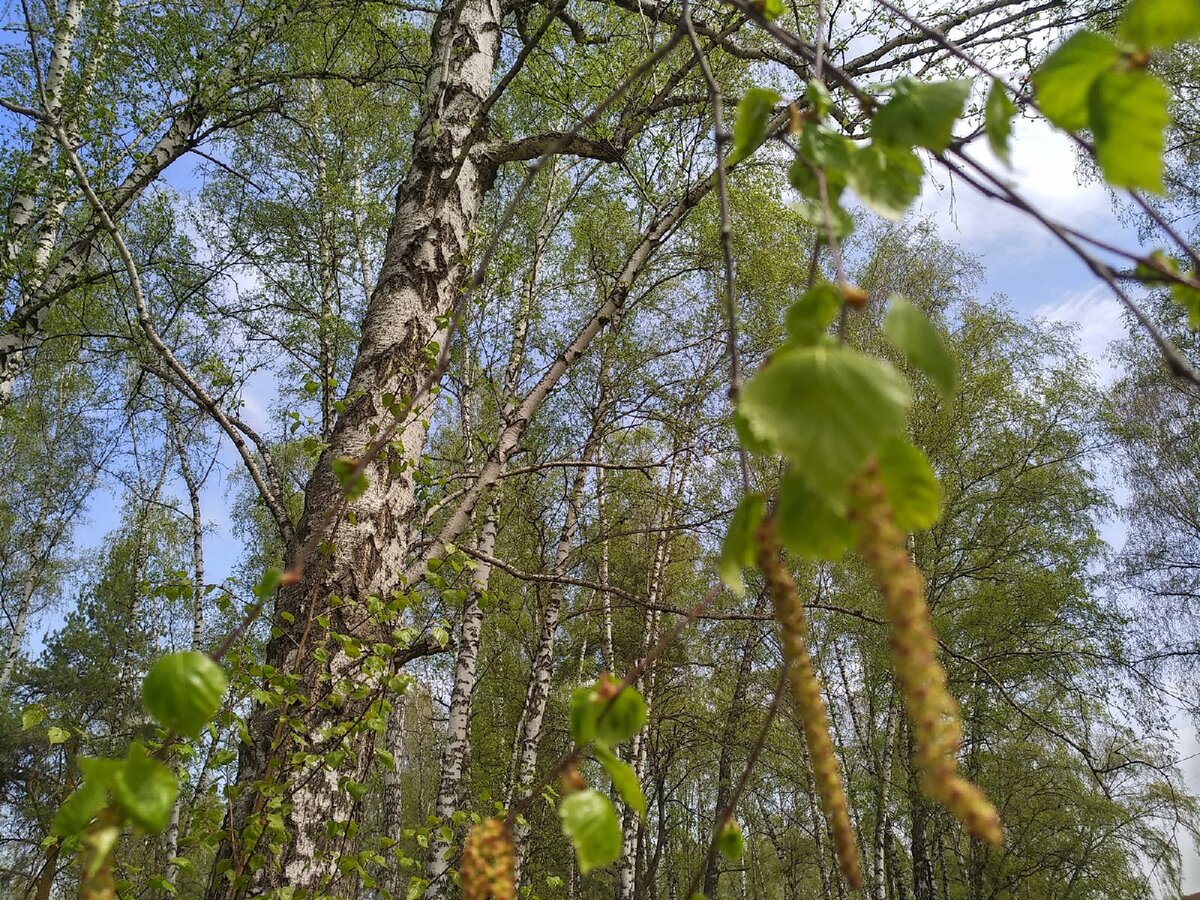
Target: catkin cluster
789 612
488 867
933 712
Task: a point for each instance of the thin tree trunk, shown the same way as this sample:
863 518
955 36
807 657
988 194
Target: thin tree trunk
730 732
543 662
882 823
19 627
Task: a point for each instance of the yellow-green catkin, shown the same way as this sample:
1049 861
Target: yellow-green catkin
789 612
933 712
488 867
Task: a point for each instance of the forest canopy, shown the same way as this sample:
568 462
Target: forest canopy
495 448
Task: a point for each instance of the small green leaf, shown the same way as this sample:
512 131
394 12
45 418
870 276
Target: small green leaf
590 821
1129 116
809 524
583 715
57 735
79 809
738 551
145 790
771 9
268 584
825 408
1063 81
921 113
750 126
888 179
802 175
624 780
818 98
1159 23
809 318
31 716
620 718
183 691
911 332
912 488
841 222
998 115
730 841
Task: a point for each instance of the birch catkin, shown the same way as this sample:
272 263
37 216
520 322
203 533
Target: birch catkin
933 712
489 863
789 612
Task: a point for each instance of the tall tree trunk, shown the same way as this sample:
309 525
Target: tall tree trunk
19 628
454 755
530 734
422 273
730 732
882 821
197 527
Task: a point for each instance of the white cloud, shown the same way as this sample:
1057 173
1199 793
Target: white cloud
1044 172
1097 317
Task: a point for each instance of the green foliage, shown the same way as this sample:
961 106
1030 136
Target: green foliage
912 488
183 691
624 779
750 126
887 178
1064 81
1128 117
809 318
860 402
738 551
910 331
809 523
921 114
730 842
590 821
999 111
1159 23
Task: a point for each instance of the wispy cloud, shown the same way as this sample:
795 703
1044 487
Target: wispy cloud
1097 318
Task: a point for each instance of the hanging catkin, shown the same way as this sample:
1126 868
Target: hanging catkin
933 712
789 612
489 863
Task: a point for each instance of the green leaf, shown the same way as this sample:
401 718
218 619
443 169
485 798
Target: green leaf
624 780
998 115
583 715
57 735
818 98
79 809
620 718
1128 119
888 179
738 551
809 318
1159 23
911 332
183 691
841 223
750 126
1061 83
913 490
590 821
771 9
268 584
145 790
826 408
809 524
921 113
31 716
730 841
